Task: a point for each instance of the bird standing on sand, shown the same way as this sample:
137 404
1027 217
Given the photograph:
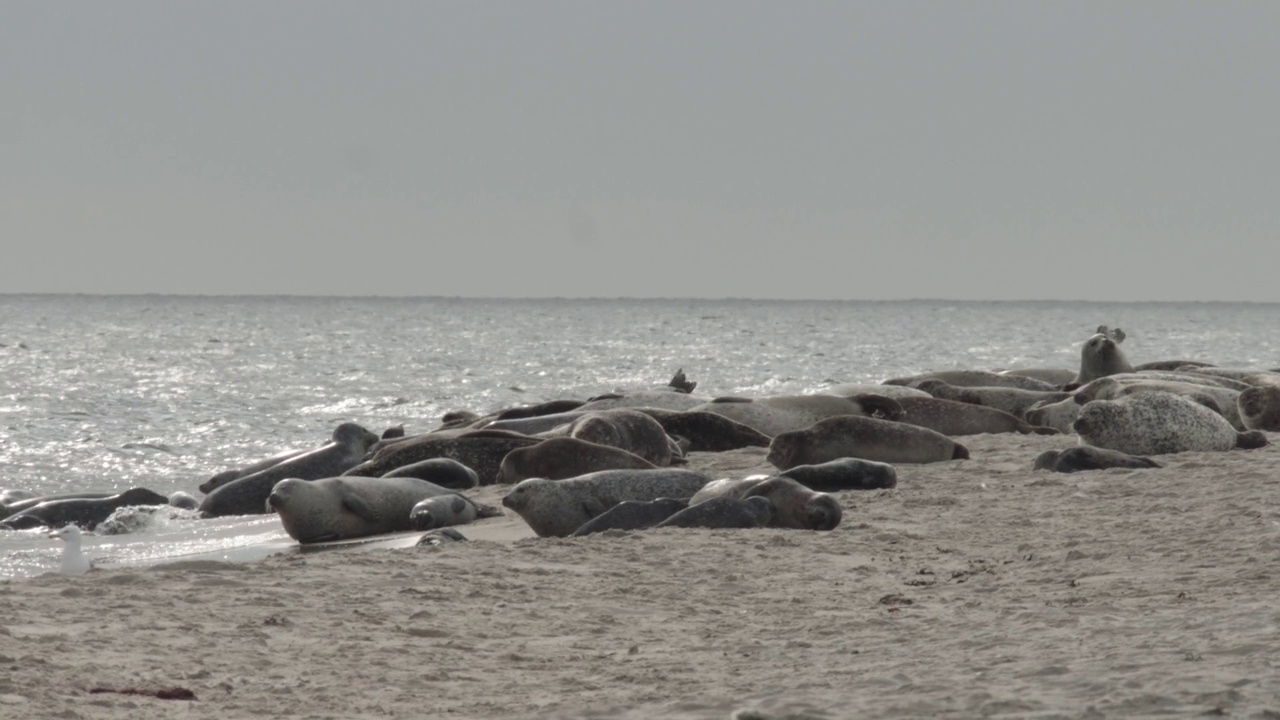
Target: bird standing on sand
73 560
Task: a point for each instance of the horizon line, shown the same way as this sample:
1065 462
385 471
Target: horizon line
632 298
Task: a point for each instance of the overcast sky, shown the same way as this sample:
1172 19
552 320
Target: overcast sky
848 150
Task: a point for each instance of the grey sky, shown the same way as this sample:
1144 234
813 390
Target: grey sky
968 150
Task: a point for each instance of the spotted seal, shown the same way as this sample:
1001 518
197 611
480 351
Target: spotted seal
1159 423
794 505
441 511
556 508
784 413
341 508
624 428
1087 457
861 437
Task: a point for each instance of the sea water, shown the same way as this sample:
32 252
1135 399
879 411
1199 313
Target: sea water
104 393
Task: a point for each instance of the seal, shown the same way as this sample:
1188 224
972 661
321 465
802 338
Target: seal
534 425
705 431
865 438
723 513
1221 400
480 450
794 505
12 496
565 457
443 536
248 495
18 506
1259 408
844 474
1054 376
1059 415
348 441
184 501
1157 424
889 391
1170 365
632 515
974 378
553 407
556 508
1087 457
1101 356
85 513
445 472
645 398
784 413
956 418
446 511
341 508
1014 401
624 428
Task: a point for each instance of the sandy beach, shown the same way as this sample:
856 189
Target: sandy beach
976 588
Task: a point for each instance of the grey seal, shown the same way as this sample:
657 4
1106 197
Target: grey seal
705 431
1219 399
347 446
1014 401
18 506
556 508
784 413
85 513
446 511
248 495
957 418
974 378
1159 423
1259 408
183 500
445 472
844 474
723 513
794 505
862 437
341 508
1102 356
1087 457
565 457
624 428
480 450
632 515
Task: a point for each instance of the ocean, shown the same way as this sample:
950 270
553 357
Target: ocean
104 393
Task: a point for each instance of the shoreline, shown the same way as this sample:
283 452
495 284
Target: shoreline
976 587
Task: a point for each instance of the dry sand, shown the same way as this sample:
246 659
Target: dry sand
977 588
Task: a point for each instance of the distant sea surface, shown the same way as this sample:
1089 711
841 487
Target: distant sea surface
109 392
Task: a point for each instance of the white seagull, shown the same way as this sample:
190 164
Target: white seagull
73 560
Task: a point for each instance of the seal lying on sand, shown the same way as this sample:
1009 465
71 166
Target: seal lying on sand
446 511
565 457
1014 401
632 515
556 508
248 495
445 472
1087 457
844 474
348 447
956 418
627 429
341 508
784 413
1159 423
861 437
974 378
84 513
705 431
723 513
1113 387
1259 408
1058 415
794 505
480 450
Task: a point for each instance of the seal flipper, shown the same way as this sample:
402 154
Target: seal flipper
357 505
